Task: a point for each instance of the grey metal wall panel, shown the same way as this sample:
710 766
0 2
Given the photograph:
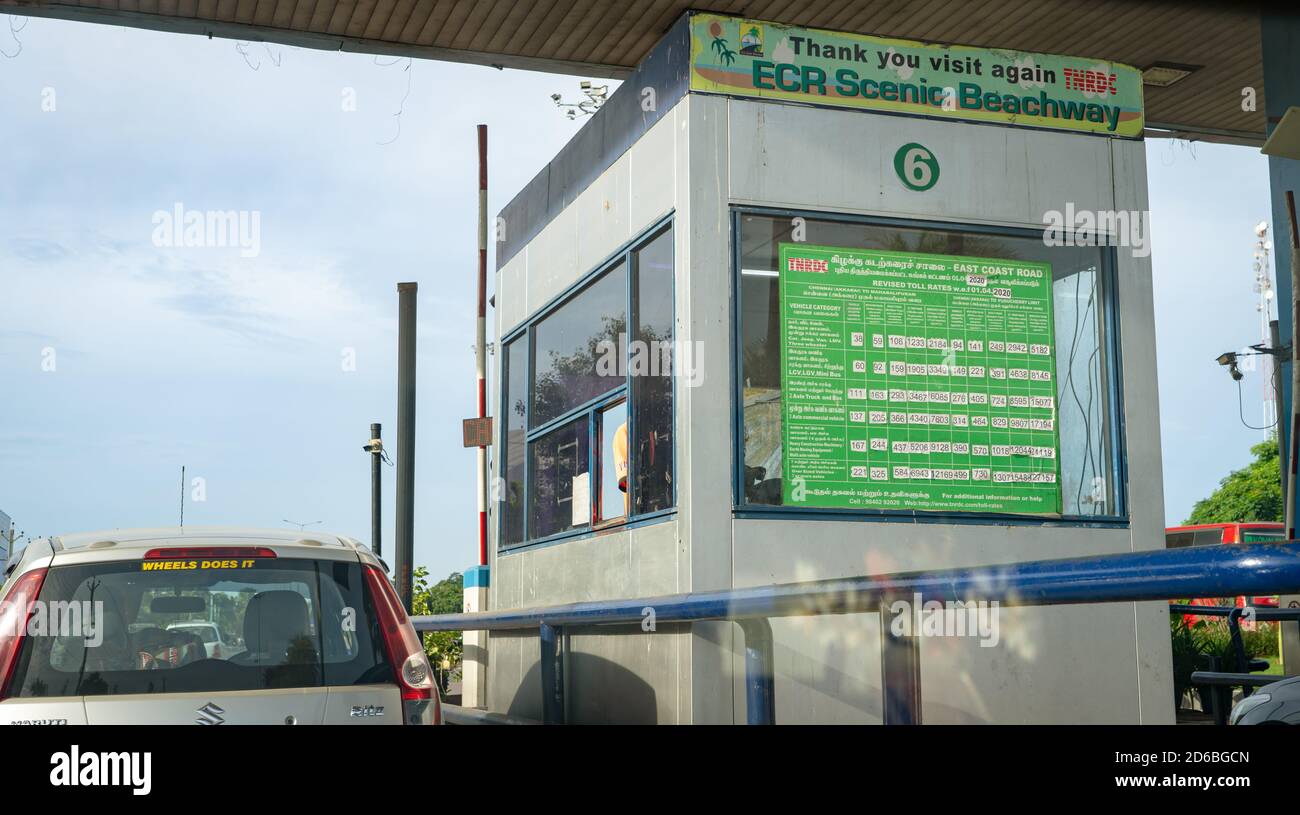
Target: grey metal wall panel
609 134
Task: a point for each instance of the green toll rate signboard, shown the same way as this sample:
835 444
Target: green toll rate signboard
917 382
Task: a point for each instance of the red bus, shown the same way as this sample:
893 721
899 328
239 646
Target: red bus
1177 537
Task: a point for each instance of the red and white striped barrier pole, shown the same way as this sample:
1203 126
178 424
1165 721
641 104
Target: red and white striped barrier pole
480 348
477 579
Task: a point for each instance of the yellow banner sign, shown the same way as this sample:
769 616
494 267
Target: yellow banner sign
749 58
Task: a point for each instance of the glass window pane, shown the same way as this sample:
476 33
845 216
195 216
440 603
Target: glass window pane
575 357
1207 537
650 363
512 497
283 623
1079 295
1083 385
613 463
559 481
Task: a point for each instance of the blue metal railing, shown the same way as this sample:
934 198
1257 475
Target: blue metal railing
1216 571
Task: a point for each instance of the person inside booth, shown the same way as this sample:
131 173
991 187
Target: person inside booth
620 462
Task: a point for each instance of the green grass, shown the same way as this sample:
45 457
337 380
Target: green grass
1275 667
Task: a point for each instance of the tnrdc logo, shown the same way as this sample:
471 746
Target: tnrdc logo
950 618
208 229
1102 227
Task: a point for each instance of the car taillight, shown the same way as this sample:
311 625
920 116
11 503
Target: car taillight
414 676
15 609
209 552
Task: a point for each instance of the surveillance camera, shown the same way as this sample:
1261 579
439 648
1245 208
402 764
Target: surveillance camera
555 97
584 84
1229 359
1261 228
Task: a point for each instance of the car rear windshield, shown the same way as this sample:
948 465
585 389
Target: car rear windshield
139 627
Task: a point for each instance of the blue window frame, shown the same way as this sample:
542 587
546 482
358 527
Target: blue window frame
588 429
1094 474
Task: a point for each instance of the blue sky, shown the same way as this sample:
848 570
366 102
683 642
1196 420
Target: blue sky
1205 202
233 366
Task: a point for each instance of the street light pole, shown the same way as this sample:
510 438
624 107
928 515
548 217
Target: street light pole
376 450
405 520
1292 440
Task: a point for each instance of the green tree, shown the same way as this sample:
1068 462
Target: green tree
444 597
1253 493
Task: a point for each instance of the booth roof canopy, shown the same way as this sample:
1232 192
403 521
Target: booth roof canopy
607 38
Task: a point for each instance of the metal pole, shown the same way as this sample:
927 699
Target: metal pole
900 672
1293 443
376 489
552 673
405 534
760 697
1291 633
1275 371
480 347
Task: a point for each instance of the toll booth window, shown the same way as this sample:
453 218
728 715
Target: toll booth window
650 364
568 347
901 441
588 402
515 413
560 480
613 464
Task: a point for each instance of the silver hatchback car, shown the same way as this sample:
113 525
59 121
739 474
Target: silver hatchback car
98 628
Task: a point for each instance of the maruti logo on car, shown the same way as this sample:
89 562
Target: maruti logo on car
211 713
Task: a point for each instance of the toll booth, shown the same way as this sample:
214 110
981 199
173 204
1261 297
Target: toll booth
797 304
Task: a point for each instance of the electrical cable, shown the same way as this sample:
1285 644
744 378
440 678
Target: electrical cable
1080 325
1241 411
14 33
401 108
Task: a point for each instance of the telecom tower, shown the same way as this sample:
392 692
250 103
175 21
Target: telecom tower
1264 288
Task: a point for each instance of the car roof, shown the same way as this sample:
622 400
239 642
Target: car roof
122 544
1242 524
189 536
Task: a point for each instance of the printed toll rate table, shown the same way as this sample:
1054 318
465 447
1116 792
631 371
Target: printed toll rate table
917 382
